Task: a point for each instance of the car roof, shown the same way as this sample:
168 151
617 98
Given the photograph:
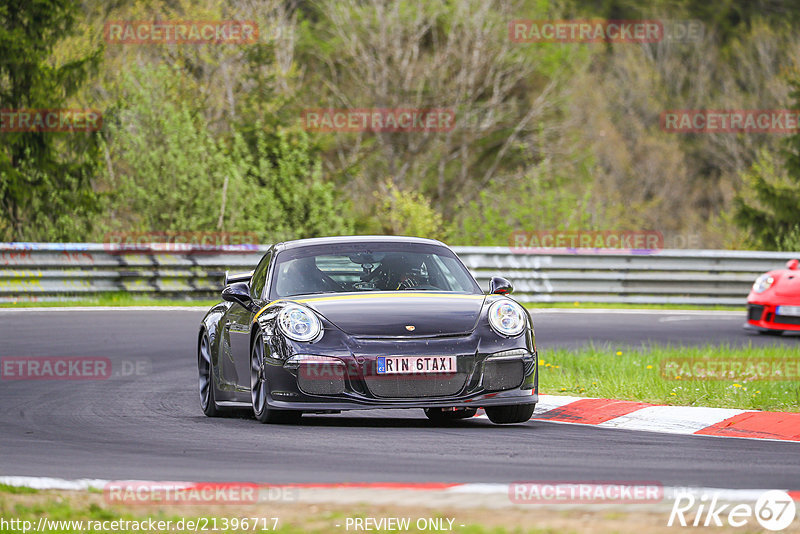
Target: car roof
356 239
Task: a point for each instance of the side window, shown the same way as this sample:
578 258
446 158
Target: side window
260 276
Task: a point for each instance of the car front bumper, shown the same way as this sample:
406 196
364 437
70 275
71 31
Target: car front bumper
499 372
763 316
338 404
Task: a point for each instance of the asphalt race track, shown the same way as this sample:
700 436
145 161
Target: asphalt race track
150 427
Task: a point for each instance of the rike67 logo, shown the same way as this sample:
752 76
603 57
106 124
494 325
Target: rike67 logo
774 510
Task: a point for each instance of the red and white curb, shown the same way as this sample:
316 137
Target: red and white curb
630 415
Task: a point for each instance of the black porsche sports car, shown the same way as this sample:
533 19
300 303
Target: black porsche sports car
342 323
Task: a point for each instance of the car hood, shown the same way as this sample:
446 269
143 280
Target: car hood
406 314
788 284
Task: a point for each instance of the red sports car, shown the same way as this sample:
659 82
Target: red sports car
774 302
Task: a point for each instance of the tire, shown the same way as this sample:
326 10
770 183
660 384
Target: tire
438 415
258 390
503 415
205 383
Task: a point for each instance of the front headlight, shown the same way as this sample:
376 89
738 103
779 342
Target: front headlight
763 283
298 323
507 318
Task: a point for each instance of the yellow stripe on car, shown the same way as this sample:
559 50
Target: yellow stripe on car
262 310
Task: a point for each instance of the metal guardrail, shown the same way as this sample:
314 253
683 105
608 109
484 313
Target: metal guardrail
64 271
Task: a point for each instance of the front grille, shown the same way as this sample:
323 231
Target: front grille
316 379
503 374
787 319
409 386
755 312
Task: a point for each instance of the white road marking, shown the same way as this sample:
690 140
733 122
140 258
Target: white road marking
671 419
671 318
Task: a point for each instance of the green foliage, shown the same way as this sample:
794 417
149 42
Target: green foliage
547 136
727 18
790 241
769 203
166 166
447 55
5 488
541 201
46 189
288 197
407 213
171 174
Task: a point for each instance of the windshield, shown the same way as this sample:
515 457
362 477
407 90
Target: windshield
343 268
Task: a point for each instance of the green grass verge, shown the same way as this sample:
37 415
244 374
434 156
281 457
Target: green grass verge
112 299
752 378
74 514
17 490
62 511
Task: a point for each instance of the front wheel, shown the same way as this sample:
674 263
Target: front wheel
502 415
206 378
258 389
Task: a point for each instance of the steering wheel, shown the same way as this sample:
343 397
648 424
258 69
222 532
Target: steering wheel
421 287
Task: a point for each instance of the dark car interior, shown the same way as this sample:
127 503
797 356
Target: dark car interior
389 271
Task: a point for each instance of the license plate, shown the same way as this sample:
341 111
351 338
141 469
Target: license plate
392 365
788 310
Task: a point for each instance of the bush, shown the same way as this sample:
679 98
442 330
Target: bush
169 173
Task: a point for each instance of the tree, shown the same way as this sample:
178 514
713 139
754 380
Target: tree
441 55
45 177
170 173
769 204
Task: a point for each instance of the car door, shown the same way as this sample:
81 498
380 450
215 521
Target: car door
239 320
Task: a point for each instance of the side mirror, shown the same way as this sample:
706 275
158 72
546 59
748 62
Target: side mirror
792 264
500 286
238 292
241 277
